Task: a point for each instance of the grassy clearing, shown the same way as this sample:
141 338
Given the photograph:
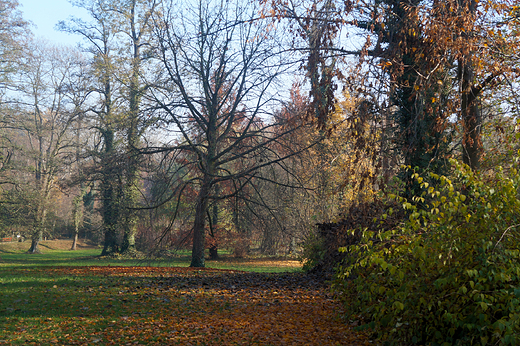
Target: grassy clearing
71 298
57 253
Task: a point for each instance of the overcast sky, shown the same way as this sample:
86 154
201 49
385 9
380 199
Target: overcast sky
45 14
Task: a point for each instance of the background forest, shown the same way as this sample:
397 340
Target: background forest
378 140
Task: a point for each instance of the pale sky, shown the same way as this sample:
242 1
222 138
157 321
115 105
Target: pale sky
45 14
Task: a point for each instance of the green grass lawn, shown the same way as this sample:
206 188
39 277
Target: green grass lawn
13 255
82 257
63 297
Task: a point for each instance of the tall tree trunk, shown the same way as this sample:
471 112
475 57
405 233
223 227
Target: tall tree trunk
110 217
77 203
470 111
111 207
77 216
417 116
197 253
131 197
41 212
41 186
471 121
131 218
131 190
37 235
35 241
213 250
74 242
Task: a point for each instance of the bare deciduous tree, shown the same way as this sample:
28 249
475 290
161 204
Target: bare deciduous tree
219 71
44 121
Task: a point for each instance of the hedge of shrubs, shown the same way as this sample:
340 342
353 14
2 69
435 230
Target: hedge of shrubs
450 274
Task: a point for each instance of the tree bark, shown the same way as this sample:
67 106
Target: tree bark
35 241
213 250
74 242
131 192
111 208
471 122
37 235
470 111
199 225
77 216
130 220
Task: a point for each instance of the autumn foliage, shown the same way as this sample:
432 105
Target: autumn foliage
171 306
450 273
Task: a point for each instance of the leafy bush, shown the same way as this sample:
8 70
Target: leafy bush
313 251
450 275
321 254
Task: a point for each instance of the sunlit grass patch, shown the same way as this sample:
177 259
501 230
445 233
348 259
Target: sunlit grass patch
57 253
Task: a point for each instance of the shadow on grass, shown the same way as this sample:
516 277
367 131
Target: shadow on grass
6 262
28 293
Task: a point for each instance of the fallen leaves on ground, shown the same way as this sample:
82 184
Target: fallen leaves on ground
177 306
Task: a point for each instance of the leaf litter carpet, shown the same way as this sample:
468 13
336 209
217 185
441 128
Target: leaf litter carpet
180 306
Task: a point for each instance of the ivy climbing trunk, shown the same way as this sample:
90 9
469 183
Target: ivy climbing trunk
419 113
137 29
131 188
470 110
471 120
111 208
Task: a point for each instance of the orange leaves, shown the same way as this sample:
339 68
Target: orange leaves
184 306
385 64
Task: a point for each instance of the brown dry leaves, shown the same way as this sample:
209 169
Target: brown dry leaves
183 306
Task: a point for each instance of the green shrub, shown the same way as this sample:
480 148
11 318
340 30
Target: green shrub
450 275
313 251
321 254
